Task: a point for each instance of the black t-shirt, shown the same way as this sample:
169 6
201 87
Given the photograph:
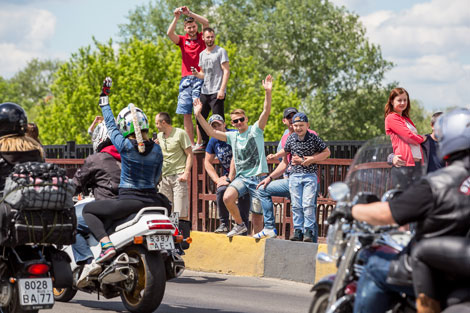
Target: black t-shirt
414 204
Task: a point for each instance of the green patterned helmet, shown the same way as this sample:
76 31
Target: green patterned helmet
125 122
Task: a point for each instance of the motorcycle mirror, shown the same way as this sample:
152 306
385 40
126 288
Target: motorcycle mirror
338 191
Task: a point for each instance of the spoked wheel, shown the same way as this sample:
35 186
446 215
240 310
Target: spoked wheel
319 302
64 294
144 290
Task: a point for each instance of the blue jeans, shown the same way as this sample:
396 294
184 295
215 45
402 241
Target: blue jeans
373 294
276 188
189 90
245 185
244 204
81 250
303 190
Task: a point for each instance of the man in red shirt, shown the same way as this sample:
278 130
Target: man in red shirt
191 45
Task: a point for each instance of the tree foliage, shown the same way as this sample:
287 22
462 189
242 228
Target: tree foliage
146 74
30 87
319 50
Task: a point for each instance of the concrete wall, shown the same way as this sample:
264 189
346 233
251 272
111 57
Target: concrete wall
246 256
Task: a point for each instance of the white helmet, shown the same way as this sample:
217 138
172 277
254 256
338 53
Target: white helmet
100 137
125 122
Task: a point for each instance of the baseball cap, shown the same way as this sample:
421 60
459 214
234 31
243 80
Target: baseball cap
299 117
215 117
289 111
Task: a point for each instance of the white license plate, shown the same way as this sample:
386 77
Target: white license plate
36 291
160 242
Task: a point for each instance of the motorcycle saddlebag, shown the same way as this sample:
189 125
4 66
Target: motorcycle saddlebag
37 226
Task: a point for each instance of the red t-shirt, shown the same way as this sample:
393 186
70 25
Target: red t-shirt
190 50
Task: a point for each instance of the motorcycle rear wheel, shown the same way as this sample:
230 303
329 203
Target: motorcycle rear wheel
145 291
64 294
319 302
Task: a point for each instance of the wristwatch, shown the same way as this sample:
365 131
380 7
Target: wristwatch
228 180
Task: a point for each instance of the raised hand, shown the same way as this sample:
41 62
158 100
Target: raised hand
106 89
177 12
268 83
185 10
197 106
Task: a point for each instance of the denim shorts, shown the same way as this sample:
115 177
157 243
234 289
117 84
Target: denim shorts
189 90
245 185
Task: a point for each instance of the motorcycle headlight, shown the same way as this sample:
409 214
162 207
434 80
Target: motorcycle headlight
334 238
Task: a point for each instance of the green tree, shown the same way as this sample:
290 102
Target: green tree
146 74
30 87
319 50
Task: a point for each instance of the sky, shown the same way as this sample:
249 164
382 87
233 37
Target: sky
428 41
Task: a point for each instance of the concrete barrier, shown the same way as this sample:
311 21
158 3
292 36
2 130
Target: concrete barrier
246 256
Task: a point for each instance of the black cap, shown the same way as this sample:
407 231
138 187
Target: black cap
289 111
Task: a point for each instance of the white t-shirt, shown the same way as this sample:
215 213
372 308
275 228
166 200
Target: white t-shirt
415 149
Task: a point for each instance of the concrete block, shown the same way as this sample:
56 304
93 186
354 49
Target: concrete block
290 260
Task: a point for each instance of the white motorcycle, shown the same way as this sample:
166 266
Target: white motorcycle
146 258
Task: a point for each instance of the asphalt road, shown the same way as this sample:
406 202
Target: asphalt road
196 292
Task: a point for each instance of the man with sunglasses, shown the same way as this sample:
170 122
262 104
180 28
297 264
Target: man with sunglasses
223 152
191 45
248 152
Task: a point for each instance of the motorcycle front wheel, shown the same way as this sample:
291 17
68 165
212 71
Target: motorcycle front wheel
144 290
319 302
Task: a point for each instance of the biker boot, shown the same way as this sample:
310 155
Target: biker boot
424 304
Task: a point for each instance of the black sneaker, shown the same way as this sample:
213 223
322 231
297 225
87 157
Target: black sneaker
298 235
308 237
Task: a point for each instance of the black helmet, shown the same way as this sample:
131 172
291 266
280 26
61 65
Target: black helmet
13 119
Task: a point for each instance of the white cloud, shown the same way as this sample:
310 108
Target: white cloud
429 45
24 34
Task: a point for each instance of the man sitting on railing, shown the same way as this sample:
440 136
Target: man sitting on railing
223 152
248 152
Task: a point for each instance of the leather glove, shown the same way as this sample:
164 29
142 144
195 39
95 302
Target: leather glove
105 90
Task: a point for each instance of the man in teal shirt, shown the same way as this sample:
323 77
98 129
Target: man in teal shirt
248 153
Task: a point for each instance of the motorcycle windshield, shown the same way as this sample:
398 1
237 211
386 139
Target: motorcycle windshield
370 172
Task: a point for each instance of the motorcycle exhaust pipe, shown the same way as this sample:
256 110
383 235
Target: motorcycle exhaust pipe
118 270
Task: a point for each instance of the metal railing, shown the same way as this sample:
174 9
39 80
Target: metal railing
203 209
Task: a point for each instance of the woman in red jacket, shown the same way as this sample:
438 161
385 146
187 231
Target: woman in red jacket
405 139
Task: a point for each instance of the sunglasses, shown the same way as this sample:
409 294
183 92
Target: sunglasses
241 120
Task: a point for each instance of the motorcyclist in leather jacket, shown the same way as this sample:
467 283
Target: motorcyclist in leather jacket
100 173
438 203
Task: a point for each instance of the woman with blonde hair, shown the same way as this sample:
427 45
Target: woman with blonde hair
15 146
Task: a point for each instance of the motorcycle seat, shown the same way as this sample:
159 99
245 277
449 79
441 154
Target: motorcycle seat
122 223
459 295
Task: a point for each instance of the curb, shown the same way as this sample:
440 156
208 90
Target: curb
246 256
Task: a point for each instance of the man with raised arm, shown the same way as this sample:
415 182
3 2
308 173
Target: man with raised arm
191 45
248 152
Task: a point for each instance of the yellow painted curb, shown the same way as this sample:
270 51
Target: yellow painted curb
239 255
322 269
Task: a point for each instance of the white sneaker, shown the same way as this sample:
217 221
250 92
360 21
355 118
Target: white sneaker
92 269
266 233
237 230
